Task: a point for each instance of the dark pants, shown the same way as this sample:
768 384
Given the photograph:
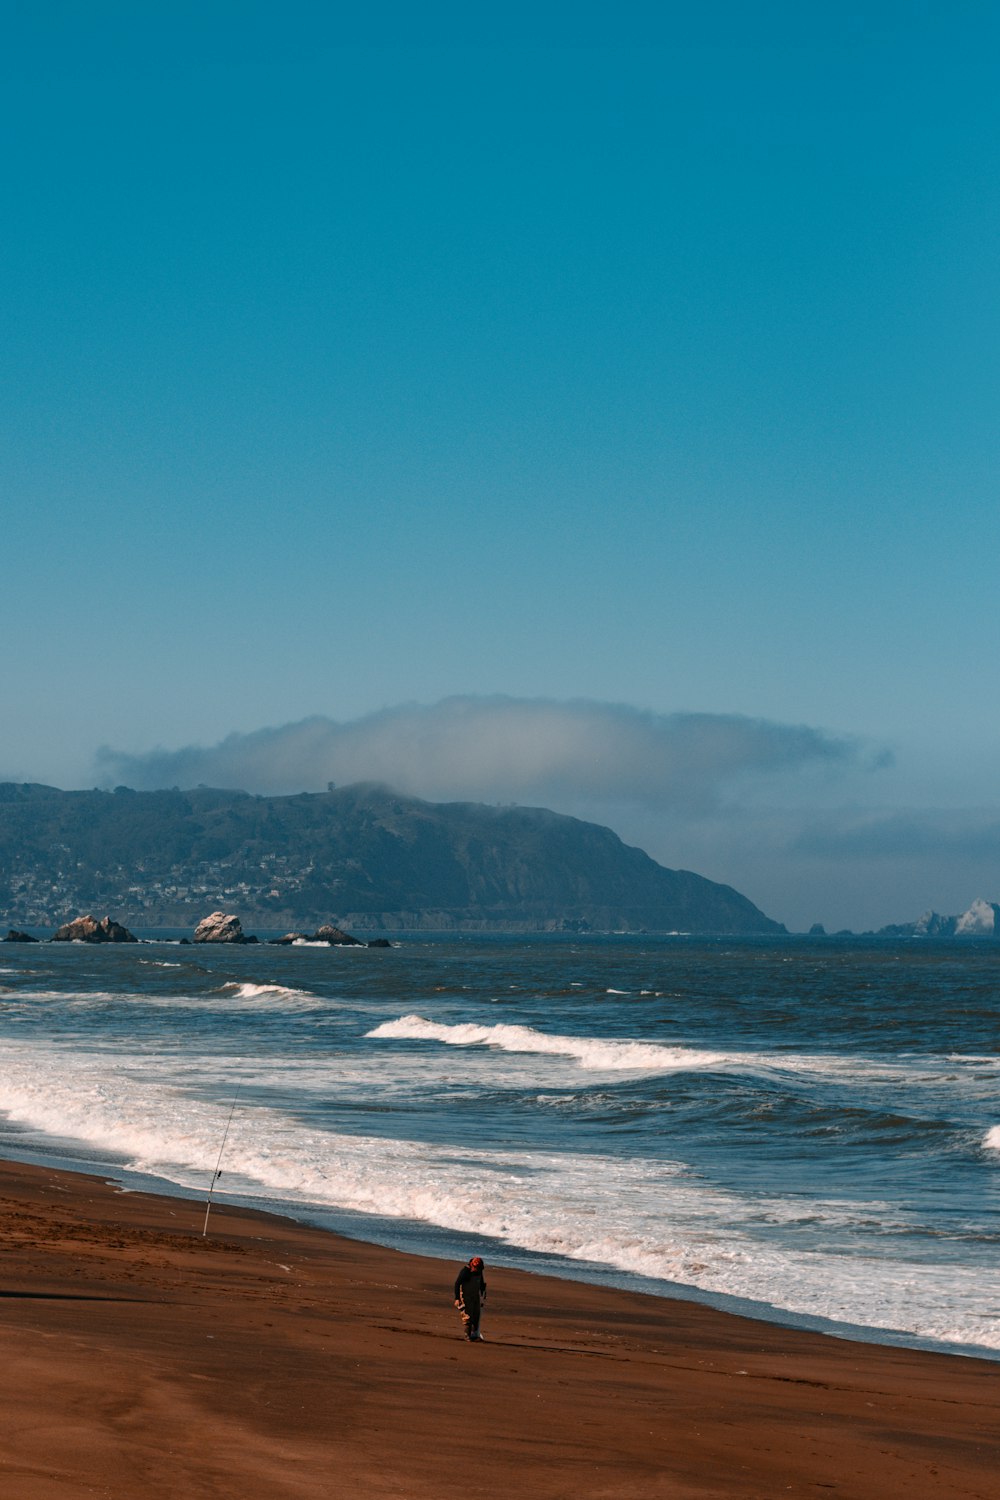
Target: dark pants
471 1312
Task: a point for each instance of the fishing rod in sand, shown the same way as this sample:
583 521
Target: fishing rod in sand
218 1165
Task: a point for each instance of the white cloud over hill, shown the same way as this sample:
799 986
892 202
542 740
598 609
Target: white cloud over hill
811 825
499 749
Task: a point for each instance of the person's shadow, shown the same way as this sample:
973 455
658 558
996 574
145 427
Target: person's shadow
70 1297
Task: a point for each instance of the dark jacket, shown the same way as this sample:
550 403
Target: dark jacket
470 1286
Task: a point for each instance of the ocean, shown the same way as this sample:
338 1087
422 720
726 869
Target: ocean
799 1129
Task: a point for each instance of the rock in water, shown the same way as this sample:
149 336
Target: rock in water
219 928
979 921
330 934
15 936
88 930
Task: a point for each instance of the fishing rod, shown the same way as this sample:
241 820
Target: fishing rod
218 1165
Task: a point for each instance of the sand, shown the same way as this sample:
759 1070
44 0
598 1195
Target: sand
273 1361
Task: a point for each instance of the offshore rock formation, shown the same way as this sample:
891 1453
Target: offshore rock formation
335 937
221 927
982 919
88 930
327 934
14 936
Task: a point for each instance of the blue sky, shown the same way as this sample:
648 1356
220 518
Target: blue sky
646 356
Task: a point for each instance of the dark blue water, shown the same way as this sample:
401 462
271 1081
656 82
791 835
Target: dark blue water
809 1124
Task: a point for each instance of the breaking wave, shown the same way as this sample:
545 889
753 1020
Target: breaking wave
590 1052
623 1054
265 992
653 1224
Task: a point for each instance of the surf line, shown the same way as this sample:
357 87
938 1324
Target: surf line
218 1165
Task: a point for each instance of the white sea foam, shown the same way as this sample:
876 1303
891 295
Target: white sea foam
227 997
621 1054
80 999
991 1140
638 1215
248 991
596 1053
603 1054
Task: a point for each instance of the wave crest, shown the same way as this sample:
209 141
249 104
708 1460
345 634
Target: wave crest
248 991
595 1053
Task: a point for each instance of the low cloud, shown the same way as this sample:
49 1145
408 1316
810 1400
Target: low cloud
929 833
503 749
789 814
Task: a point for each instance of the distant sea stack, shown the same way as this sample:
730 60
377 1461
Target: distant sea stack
88 930
982 919
220 927
334 936
378 860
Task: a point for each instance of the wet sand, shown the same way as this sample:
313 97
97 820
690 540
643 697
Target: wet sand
273 1362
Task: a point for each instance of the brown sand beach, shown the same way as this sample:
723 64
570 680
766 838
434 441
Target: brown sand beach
274 1361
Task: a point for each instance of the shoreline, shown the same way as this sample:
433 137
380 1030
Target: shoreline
275 1360
796 1245
405 1239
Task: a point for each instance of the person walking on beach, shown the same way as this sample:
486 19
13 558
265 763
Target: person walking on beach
470 1294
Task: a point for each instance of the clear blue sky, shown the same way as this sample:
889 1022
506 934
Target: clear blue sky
645 354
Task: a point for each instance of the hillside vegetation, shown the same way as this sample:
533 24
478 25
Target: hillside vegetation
362 855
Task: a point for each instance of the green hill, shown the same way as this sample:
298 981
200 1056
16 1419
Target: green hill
361 855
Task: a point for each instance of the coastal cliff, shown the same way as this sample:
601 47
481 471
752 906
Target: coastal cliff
376 859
